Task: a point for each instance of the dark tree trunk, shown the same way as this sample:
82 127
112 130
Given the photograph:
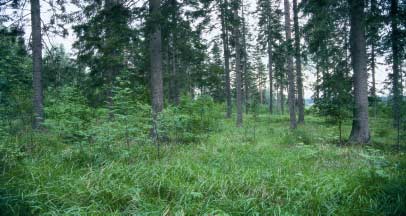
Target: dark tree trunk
238 64
395 37
291 78
270 73
282 99
374 35
317 81
396 76
111 70
373 67
226 50
360 130
244 63
155 46
174 76
37 64
246 91
299 78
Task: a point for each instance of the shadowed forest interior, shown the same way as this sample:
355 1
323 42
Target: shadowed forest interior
202 107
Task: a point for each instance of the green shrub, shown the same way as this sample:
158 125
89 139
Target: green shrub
67 114
192 120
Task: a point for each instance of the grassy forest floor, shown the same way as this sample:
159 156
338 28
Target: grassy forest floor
260 169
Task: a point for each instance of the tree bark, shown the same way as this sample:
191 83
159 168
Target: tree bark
317 81
396 73
373 67
291 78
374 35
299 78
395 58
155 46
360 130
38 103
270 72
226 50
174 76
238 63
282 99
244 63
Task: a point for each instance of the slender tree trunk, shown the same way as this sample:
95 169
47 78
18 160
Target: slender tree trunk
277 97
395 56
291 78
373 61
238 63
396 73
236 31
38 97
270 73
167 67
373 66
317 81
245 59
155 46
261 99
226 50
360 130
246 91
174 76
299 78
282 99
111 69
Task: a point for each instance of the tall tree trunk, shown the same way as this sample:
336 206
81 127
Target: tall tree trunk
237 63
245 60
167 67
37 64
174 76
270 73
282 99
291 78
111 69
360 130
373 67
374 32
155 46
261 96
246 91
277 97
299 78
226 50
317 81
396 76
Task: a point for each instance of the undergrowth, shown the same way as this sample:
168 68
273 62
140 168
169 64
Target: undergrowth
260 169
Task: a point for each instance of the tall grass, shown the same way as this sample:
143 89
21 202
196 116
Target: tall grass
277 172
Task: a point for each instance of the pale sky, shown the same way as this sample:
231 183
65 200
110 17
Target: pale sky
67 42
